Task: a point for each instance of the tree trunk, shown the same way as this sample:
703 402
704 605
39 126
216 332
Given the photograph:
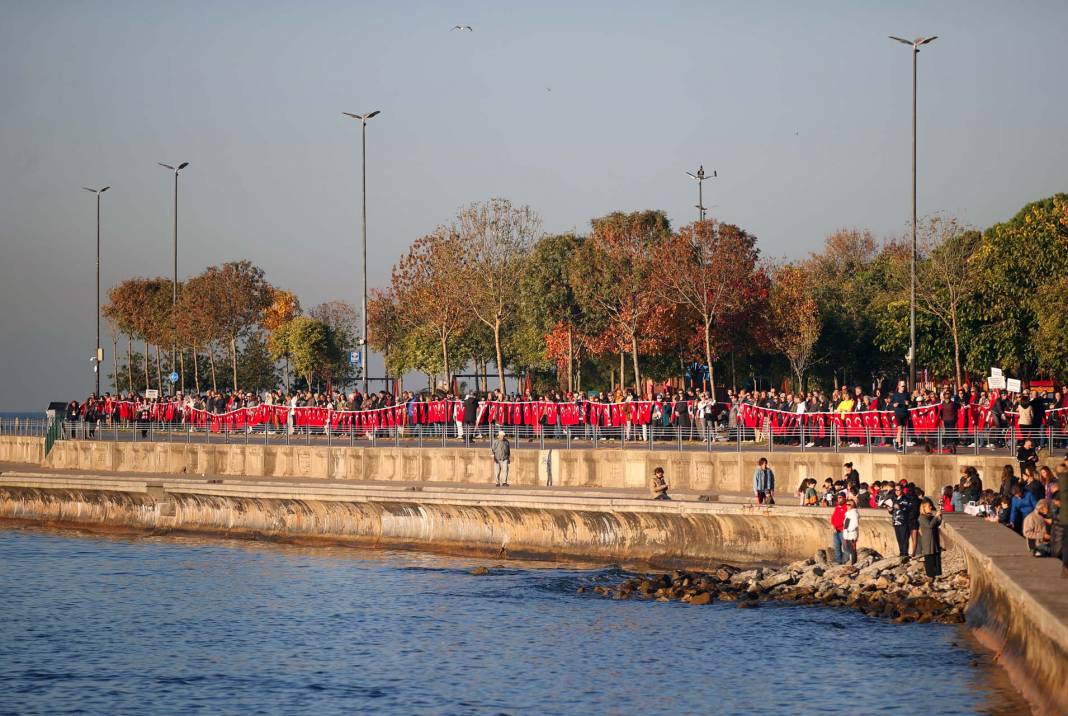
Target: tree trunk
129 363
148 383
956 349
159 372
445 357
708 357
622 370
497 346
570 360
211 360
233 360
634 355
196 368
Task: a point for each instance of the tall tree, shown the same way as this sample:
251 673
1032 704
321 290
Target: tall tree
310 345
794 327
613 273
710 268
241 294
1013 263
344 322
549 306
284 308
429 297
496 237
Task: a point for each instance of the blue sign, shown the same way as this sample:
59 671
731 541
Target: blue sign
354 358
173 376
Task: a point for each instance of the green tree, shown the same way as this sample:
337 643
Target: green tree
310 345
1014 262
256 369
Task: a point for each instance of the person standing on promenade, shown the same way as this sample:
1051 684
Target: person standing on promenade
930 538
838 523
659 488
899 402
502 455
764 483
898 507
851 531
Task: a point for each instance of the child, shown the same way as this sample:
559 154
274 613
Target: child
947 499
851 531
828 493
659 488
812 498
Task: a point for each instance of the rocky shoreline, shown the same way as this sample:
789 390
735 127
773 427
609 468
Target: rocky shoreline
890 588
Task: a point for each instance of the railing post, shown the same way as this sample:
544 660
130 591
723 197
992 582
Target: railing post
771 439
867 438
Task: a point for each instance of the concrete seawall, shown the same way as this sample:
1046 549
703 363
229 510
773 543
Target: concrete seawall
613 468
543 525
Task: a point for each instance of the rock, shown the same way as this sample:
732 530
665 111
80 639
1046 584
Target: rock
777 580
882 583
753 587
726 597
821 557
580 590
701 598
479 571
747 576
881 565
748 604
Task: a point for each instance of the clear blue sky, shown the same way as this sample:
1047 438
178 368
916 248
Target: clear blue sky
802 108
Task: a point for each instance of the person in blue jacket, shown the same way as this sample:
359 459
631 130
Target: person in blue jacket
1023 504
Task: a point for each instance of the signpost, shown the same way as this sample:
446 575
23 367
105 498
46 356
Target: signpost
173 377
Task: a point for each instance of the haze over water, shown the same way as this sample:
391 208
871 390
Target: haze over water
165 625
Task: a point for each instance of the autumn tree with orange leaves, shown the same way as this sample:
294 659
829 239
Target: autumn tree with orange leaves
709 268
794 325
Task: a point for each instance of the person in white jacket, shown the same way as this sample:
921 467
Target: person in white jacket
851 531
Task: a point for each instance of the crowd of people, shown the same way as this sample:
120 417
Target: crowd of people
929 417
1026 499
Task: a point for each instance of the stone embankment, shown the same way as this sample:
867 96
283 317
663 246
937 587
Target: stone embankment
891 587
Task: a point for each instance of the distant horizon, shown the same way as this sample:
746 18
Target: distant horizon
576 110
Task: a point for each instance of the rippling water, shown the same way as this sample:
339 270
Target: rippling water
170 626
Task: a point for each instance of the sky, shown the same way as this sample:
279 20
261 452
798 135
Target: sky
575 108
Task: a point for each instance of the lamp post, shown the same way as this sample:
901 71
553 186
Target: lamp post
363 309
174 283
700 176
915 45
97 357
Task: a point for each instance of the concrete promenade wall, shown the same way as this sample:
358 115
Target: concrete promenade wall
19 448
717 471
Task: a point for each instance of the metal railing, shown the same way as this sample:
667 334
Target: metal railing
29 427
696 437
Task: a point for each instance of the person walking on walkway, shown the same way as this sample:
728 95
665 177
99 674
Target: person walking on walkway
851 531
659 487
930 538
764 483
502 455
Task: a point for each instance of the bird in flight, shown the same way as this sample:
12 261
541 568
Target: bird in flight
468 28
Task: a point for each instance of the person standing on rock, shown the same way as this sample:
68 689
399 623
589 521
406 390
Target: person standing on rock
838 523
764 483
851 531
659 487
930 538
898 507
502 455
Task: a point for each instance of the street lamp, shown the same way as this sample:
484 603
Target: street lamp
915 45
174 284
363 339
700 176
98 357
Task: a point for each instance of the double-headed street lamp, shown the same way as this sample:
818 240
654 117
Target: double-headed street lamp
700 176
915 45
174 284
363 339
98 357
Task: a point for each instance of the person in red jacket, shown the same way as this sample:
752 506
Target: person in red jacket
838 523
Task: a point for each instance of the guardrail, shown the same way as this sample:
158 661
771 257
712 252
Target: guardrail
30 427
698 437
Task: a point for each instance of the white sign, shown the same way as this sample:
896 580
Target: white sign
996 372
1012 385
151 393
996 382
354 358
